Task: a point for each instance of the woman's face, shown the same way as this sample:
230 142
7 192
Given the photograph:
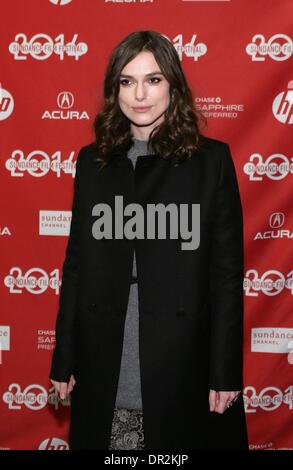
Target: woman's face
144 94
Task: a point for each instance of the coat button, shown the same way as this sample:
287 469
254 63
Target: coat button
180 312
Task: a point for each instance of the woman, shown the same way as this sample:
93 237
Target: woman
152 359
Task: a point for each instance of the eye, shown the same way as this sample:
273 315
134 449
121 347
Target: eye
156 78
123 80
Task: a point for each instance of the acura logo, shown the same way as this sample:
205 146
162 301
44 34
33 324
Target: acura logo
277 219
65 100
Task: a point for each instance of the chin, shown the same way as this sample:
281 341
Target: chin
144 120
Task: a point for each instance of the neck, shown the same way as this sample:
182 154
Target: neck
140 140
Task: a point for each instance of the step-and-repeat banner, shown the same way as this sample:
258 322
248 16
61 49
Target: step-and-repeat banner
237 56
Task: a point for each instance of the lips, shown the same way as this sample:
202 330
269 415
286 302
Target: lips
142 110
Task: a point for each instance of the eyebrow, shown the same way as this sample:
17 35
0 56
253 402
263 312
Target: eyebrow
147 75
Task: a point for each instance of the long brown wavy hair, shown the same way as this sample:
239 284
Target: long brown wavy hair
178 136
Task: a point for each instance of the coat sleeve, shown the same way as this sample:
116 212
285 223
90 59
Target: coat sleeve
226 282
63 355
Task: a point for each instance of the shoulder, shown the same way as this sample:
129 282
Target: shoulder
86 154
215 160
214 152
214 147
88 150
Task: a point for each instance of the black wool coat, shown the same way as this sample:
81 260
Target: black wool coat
190 303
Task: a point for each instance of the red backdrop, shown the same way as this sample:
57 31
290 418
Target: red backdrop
237 56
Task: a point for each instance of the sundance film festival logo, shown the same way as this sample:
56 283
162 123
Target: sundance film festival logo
65 102
41 46
275 167
271 283
268 399
276 222
34 397
278 47
191 49
283 105
38 163
35 281
6 104
156 216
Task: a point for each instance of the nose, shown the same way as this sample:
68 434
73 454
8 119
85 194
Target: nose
140 92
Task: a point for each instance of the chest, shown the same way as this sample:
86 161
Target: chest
154 184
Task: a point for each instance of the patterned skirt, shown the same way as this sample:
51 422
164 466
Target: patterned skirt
127 430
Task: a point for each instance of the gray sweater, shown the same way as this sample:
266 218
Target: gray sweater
129 387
